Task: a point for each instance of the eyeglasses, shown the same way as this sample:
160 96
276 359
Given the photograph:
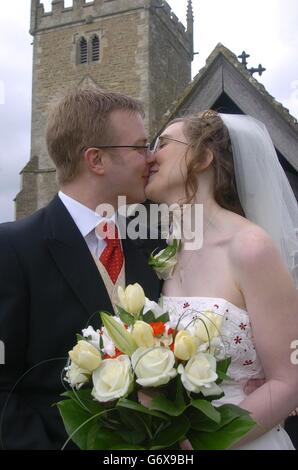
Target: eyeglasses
146 147
159 140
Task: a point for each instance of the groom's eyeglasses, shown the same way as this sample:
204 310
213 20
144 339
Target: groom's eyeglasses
145 148
159 143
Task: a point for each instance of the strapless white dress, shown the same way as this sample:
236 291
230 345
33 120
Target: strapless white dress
237 339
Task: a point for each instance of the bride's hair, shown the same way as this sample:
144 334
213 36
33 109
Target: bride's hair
206 131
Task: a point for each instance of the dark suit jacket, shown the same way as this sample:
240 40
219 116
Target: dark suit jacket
50 289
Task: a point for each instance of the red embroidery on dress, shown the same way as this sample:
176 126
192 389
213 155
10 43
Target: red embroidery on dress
248 362
237 340
243 326
216 306
186 304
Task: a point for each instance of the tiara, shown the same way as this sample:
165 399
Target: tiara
209 114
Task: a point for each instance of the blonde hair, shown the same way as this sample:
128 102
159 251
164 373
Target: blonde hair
81 119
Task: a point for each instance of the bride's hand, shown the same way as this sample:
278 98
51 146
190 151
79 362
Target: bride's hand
186 445
252 384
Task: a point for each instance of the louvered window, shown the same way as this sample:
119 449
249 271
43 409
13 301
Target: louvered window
95 49
83 51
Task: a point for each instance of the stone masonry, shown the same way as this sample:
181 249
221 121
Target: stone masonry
144 51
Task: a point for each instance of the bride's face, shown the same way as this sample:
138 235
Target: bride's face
168 171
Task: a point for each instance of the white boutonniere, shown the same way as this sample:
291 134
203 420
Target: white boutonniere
165 260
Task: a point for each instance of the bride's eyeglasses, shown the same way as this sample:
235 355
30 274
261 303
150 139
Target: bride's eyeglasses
159 143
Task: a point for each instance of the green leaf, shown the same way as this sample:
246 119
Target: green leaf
132 405
149 317
100 438
164 318
80 338
92 436
101 345
134 430
207 409
73 417
132 437
84 400
158 260
221 376
126 317
223 365
163 404
175 432
199 421
235 424
221 370
174 405
179 392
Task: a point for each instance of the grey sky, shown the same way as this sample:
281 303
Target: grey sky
266 29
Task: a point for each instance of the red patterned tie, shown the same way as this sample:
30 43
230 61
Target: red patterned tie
112 255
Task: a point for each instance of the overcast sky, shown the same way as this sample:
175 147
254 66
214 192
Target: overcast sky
266 29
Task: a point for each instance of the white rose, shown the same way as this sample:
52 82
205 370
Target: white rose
113 379
153 367
216 348
199 375
77 376
85 356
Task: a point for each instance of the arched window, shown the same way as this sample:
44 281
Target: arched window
83 51
95 49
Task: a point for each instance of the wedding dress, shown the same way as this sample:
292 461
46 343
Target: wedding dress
237 341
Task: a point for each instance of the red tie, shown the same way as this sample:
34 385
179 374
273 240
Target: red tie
112 255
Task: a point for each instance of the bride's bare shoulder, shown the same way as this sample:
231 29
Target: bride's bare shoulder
251 246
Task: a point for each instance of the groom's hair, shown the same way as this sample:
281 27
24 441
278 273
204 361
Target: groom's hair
80 119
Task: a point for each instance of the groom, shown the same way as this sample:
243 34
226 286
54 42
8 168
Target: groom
57 270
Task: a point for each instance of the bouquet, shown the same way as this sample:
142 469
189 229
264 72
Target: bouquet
146 381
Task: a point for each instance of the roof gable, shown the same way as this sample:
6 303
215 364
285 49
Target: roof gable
224 74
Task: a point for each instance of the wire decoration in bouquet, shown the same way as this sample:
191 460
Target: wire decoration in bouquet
146 380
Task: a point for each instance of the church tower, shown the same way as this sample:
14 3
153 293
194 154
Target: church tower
138 47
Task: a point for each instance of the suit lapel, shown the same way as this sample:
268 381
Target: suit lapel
73 258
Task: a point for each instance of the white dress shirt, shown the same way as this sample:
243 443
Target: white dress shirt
86 220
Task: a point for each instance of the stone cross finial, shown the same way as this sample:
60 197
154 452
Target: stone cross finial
243 58
252 70
259 69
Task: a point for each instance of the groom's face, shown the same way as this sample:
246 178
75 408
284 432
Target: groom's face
128 168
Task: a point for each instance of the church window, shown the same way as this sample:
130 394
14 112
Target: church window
95 49
83 51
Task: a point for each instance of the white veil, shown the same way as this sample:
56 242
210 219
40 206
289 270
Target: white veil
263 188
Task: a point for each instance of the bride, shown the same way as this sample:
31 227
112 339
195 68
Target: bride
245 269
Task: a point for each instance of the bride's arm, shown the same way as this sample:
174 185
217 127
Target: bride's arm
272 303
